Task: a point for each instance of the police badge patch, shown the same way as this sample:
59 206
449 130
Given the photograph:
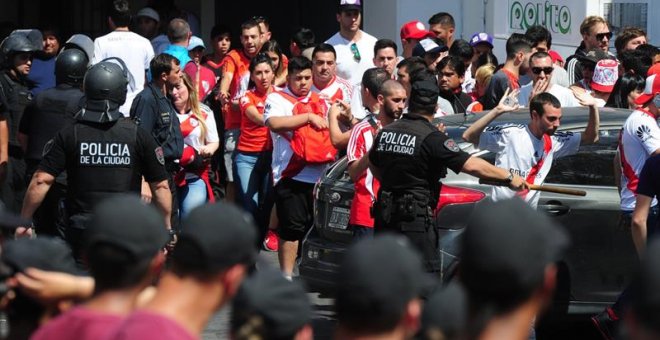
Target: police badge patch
159 155
451 145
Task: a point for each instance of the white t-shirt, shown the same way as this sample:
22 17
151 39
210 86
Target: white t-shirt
136 52
640 138
193 137
444 108
469 81
565 96
518 150
279 106
357 106
347 65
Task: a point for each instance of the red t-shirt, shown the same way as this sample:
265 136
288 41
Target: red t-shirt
514 81
206 80
238 64
366 187
144 325
254 137
79 323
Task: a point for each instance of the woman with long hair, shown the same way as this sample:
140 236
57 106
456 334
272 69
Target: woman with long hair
200 137
254 149
626 89
273 50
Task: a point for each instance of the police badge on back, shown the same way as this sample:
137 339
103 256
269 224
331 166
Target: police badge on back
94 153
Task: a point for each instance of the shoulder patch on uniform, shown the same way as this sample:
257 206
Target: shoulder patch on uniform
451 145
47 147
159 155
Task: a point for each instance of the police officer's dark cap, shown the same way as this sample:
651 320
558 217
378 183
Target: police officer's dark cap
43 253
445 311
378 278
8 220
215 237
646 296
127 223
506 248
424 88
281 304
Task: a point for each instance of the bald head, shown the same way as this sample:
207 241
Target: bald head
178 31
390 86
392 99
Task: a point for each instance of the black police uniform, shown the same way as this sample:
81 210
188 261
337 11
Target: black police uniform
49 112
411 156
101 160
153 112
14 97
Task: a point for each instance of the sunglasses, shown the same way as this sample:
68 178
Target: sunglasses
546 70
356 52
600 36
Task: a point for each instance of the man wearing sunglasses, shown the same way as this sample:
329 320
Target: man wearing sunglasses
595 34
354 47
541 69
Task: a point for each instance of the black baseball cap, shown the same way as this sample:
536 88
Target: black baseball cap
429 45
593 56
9 220
215 237
506 248
377 279
445 311
281 304
43 253
125 222
646 296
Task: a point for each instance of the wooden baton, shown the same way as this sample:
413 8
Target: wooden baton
547 188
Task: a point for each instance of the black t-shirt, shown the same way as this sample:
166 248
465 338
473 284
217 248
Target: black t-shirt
97 170
49 112
649 179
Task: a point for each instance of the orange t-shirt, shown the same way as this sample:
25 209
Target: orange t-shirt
253 137
237 63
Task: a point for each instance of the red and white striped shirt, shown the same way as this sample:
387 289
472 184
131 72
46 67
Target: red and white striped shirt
366 187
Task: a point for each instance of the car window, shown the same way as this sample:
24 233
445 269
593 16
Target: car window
592 165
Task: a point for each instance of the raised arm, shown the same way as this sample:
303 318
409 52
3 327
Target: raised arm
473 133
590 134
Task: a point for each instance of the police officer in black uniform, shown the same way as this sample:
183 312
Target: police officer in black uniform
409 157
103 153
153 111
51 111
15 60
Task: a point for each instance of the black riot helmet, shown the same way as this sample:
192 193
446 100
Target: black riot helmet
13 44
70 67
105 91
81 42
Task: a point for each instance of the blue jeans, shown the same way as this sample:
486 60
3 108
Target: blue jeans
254 184
192 195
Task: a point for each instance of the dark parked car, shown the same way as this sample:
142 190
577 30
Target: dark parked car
596 268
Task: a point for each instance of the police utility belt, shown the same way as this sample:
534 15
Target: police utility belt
405 206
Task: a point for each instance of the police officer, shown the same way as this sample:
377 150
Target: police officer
15 61
409 157
103 154
49 112
154 113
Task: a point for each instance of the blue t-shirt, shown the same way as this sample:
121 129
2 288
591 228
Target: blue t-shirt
42 74
180 53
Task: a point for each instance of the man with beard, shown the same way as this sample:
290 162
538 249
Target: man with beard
388 106
528 150
451 74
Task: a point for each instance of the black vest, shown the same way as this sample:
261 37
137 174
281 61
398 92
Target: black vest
403 170
18 96
101 163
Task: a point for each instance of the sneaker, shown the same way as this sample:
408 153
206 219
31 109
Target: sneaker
271 242
606 323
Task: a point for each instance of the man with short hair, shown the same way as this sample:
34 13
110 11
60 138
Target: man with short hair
629 38
302 43
354 47
443 26
234 83
147 23
595 34
451 74
125 254
542 42
543 70
211 259
179 34
463 50
135 50
508 268
221 43
518 50
379 296
325 81
385 52
293 178
529 150
42 73
388 106
411 33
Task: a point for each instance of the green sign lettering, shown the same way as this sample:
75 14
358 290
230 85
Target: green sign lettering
524 14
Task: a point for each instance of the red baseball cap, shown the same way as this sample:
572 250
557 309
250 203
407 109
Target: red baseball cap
415 30
652 85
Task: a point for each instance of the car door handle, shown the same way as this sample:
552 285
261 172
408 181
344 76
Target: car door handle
555 209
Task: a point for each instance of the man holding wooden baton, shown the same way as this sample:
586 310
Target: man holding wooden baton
528 150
